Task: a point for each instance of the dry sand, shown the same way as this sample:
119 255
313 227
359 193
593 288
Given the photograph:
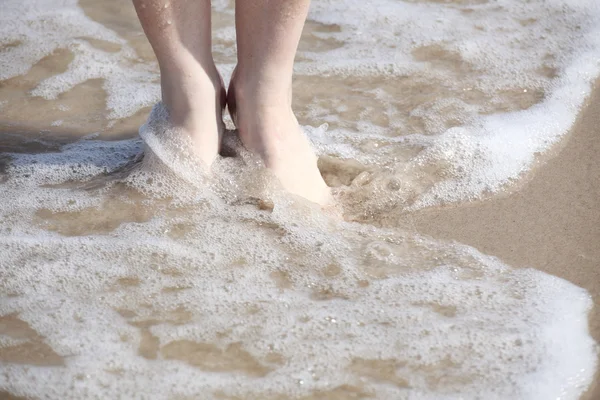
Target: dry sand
551 223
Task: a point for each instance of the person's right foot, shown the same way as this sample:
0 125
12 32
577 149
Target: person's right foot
267 127
195 101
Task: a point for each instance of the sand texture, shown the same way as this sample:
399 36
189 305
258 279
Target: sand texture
551 223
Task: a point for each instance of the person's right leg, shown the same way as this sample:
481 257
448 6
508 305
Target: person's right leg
192 91
260 94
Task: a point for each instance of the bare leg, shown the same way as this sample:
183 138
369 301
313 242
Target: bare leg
192 90
260 94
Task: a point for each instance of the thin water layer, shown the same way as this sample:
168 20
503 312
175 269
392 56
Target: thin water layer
135 275
454 98
203 292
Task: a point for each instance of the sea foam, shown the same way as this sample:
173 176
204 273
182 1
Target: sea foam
119 279
207 295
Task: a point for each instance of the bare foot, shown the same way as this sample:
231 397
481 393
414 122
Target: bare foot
267 127
195 101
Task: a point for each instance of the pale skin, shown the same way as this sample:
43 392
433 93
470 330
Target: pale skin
260 94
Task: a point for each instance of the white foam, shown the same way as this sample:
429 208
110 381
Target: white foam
210 268
36 29
451 321
497 49
504 45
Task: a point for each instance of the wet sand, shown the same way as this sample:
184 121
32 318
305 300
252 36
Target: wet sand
551 223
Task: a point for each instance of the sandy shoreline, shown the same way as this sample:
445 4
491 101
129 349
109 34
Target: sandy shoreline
551 223
98 68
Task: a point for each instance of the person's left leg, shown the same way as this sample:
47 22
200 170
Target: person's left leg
192 90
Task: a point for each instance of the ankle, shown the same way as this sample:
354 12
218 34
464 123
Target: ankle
261 90
184 94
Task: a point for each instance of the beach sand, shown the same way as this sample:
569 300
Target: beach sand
551 223
550 220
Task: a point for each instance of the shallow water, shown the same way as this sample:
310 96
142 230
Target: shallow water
138 277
